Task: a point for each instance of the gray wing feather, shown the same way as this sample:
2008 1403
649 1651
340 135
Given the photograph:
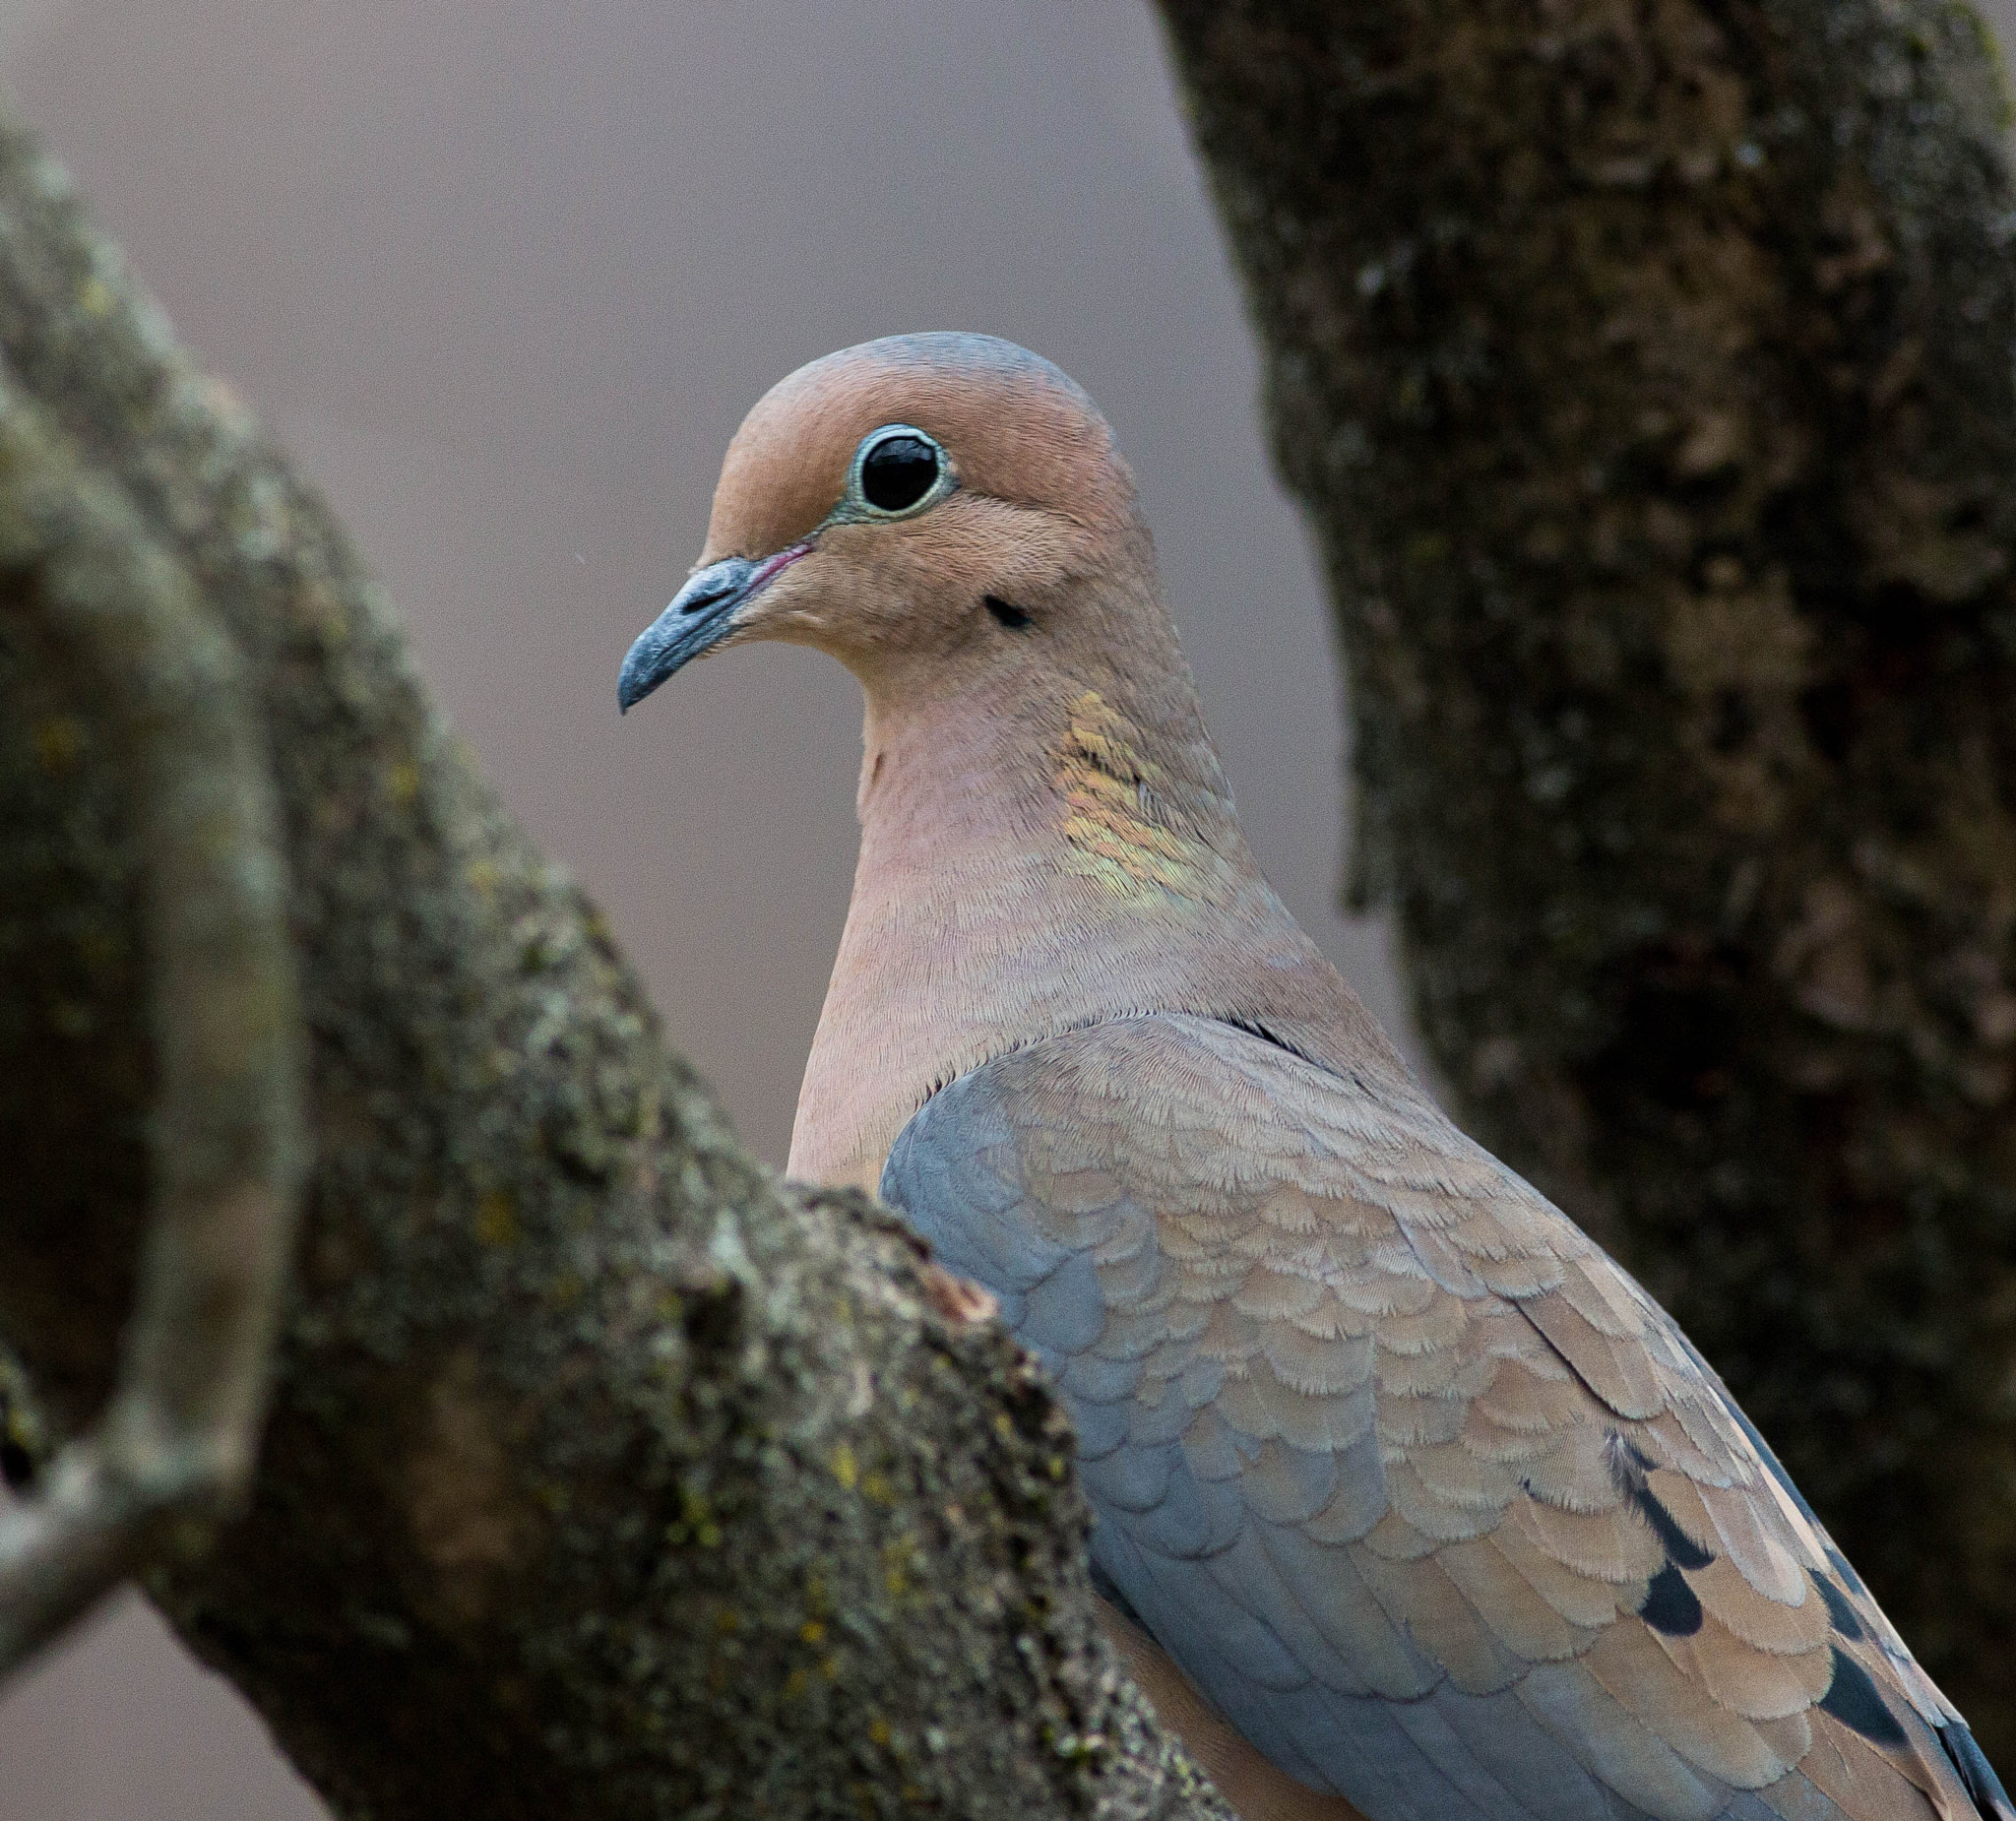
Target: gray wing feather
1369 1428
1210 1578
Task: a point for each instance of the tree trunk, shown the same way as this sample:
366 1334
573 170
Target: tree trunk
604 1476
1645 368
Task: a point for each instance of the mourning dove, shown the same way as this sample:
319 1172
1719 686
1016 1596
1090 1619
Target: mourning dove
1411 1503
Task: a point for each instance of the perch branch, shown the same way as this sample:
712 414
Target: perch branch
604 1477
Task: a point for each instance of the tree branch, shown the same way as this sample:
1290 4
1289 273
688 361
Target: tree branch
180 1434
603 1476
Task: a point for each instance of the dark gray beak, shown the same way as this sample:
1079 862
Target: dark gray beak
699 616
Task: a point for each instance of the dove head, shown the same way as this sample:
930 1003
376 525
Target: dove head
915 506
1048 838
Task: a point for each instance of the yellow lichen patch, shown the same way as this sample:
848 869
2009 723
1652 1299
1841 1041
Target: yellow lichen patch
697 1525
905 1567
1114 815
58 740
700 1524
496 1220
843 1468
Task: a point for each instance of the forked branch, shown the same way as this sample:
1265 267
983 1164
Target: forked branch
180 1432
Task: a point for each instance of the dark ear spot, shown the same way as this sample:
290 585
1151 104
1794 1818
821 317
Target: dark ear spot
1851 1699
1008 614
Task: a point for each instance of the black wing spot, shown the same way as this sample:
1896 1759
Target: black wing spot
1839 1612
1682 1550
1008 614
1851 1699
1670 1605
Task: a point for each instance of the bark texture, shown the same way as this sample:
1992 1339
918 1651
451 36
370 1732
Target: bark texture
1645 368
604 1477
180 1434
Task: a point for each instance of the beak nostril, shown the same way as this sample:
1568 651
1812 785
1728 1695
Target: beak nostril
700 603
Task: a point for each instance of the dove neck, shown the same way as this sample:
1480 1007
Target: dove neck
1043 847
1037 760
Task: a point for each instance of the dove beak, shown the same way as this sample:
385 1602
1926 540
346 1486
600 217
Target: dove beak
701 615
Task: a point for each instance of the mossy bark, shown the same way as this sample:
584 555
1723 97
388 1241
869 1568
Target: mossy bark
1645 368
604 1476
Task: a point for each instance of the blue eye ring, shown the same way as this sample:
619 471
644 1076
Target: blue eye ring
897 471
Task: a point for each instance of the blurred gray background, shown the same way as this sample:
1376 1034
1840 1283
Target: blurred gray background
505 277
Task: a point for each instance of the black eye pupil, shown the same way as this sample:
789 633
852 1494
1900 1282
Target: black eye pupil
897 473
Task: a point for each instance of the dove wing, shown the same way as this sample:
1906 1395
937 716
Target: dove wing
1417 1485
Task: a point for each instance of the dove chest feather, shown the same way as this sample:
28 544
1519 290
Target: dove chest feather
1021 876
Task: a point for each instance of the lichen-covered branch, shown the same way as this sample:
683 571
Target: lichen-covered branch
225 1160
603 1476
1645 368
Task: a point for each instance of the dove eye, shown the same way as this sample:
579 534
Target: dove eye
900 470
